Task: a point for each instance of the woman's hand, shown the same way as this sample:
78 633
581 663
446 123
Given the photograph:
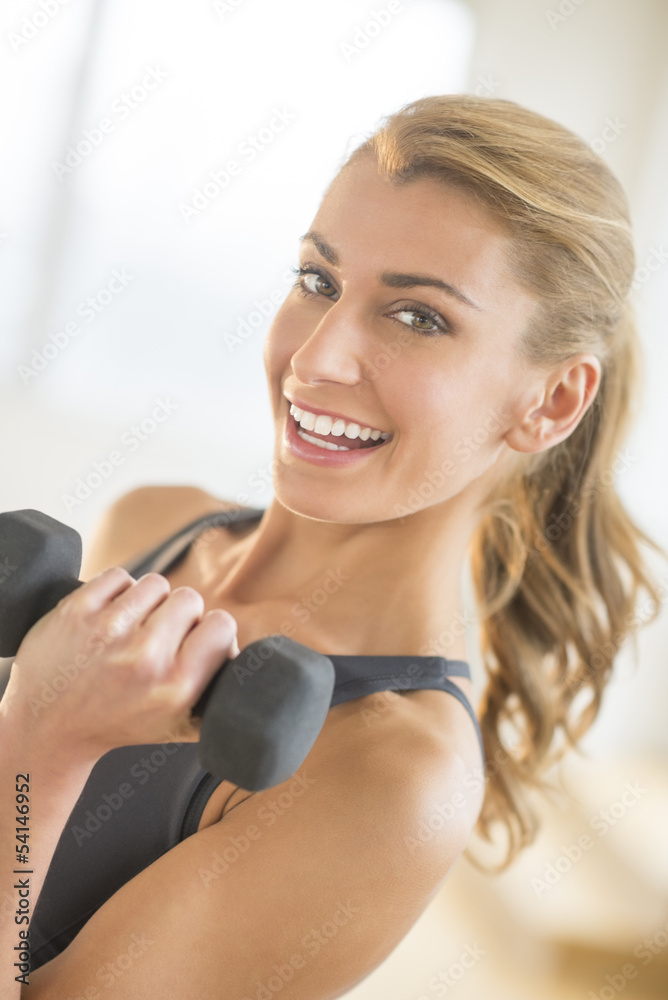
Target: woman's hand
116 662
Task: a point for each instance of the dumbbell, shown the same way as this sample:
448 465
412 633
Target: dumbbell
260 713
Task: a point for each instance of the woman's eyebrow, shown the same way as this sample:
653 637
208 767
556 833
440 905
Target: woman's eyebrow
392 279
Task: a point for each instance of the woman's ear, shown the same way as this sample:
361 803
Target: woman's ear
558 405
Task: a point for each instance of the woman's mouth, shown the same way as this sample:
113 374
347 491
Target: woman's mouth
329 441
335 434
328 449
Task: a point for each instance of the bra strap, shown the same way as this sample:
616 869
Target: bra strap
161 558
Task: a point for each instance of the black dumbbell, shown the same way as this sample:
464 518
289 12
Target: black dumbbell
261 712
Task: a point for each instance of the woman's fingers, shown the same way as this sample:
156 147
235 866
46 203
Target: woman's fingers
204 650
121 660
186 645
117 593
97 592
173 618
114 604
134 606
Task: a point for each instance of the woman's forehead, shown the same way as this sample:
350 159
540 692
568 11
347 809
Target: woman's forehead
360 197
375 225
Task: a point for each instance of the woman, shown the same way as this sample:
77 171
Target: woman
461 315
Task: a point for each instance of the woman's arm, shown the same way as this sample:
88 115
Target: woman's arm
32 817
305 887
143 656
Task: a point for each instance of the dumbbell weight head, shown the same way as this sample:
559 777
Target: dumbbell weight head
261 715
40 559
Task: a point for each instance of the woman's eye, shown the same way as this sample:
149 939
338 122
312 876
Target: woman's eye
419 318
317 284
420 321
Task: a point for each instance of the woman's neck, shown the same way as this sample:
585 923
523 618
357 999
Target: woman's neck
395 584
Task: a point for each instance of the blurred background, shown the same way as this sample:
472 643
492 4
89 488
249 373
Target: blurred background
139 275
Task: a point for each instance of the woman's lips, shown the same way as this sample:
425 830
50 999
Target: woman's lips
350 443
327 413
326 457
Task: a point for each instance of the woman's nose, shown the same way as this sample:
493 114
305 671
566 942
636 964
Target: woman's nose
334 350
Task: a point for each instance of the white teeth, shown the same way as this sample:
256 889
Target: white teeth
322 444
322 424
307 421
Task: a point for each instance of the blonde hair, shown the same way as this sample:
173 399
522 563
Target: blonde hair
556 559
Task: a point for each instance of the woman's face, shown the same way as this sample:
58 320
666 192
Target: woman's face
406 322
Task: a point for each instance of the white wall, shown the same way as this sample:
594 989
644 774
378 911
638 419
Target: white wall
331 69
163 337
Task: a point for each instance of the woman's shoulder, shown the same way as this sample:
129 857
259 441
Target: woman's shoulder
141 519
414 789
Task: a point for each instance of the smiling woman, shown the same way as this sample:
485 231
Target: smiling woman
512 238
